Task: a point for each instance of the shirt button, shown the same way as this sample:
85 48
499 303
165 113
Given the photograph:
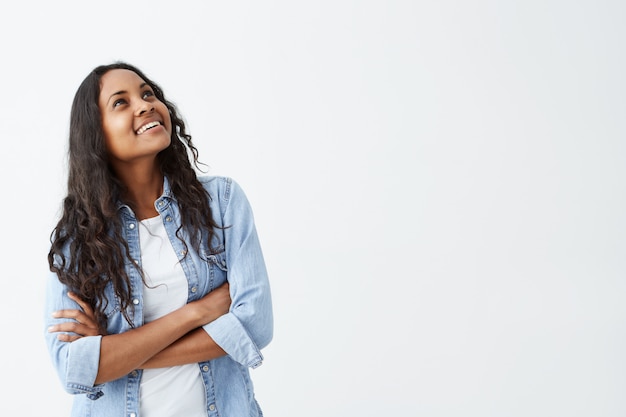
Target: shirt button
194 289
131 226
160 203
212 407
132 415
135 301
205 368
134 374
183 252
136 261
168 218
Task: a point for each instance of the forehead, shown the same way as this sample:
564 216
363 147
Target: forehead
118 80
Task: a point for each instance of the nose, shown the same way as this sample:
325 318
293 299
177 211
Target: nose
144 107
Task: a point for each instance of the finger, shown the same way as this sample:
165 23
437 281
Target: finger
73 327
85 306
68 338
66 314
76 318
77 315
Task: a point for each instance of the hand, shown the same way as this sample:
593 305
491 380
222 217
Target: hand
84 322
214 304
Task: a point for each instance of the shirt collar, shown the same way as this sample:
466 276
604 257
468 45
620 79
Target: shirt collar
165 196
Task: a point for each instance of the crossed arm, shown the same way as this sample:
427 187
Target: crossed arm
174 339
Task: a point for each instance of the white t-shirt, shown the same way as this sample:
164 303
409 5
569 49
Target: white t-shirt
177 390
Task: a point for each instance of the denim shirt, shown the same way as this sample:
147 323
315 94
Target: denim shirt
241 333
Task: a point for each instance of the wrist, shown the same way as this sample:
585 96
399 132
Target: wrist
193 314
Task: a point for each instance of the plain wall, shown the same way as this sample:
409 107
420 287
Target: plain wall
438 187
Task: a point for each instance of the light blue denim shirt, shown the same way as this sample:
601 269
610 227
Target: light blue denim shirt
242 332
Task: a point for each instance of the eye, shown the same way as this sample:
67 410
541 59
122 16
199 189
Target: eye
147 94
119 102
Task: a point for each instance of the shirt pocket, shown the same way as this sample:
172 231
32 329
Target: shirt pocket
113 310
217 267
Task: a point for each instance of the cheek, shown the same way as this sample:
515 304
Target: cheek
114 127
114 136
167 119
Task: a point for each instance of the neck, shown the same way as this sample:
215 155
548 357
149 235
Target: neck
144 185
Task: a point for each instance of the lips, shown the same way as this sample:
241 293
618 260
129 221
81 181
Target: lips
147 126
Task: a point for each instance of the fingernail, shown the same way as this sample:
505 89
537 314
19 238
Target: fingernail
50 329
55 314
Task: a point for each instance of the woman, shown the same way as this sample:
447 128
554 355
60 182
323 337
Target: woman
158 300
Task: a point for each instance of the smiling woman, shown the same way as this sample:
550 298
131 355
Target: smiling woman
136 124
158 299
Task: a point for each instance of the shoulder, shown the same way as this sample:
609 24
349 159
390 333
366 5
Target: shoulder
224 191
219 187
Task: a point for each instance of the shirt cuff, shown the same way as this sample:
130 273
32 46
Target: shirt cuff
82 367
228 332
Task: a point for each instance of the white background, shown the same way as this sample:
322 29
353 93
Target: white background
438 187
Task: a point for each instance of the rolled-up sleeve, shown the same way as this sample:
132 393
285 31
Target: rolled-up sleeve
76 363
248 326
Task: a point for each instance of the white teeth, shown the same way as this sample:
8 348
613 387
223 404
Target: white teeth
147 126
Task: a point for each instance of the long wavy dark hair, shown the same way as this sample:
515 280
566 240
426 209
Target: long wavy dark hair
88 250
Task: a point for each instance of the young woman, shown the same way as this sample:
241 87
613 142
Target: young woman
158 300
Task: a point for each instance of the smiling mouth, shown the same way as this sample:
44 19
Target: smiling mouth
147 126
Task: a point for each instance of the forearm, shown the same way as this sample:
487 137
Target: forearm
124 352
195 346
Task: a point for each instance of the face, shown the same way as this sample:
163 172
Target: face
137 126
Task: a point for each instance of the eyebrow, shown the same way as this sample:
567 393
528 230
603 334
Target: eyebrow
124 92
